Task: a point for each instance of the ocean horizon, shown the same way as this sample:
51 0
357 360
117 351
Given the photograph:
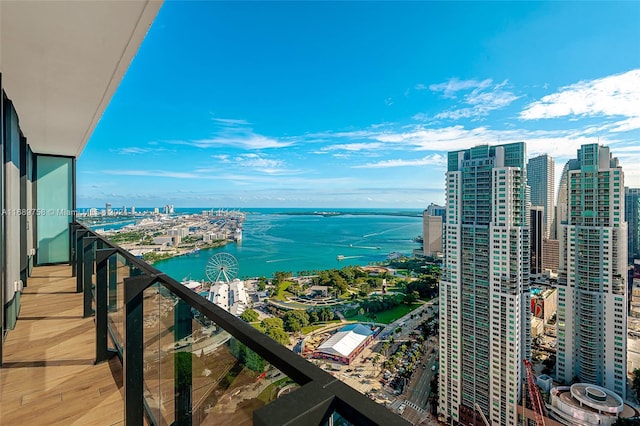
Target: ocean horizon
305 239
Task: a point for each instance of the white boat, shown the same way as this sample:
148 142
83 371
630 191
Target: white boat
394 255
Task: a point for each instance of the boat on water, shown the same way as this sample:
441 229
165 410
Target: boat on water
340 257
394 255
192 285
237 235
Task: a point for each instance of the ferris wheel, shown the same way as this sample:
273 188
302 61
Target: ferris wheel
222 267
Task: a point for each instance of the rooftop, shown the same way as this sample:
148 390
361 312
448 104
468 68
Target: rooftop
345 340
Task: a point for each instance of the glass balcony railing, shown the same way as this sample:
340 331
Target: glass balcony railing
187 361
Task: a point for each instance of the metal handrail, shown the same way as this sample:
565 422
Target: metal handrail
320 392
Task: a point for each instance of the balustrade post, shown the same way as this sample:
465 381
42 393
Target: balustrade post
87 272
133 362
102 276
183 328
80 235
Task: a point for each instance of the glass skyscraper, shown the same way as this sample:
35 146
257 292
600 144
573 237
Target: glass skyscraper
632 212
541 179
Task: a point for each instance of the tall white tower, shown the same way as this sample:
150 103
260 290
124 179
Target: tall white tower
485 328
592 297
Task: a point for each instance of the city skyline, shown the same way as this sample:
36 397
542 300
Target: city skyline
356 104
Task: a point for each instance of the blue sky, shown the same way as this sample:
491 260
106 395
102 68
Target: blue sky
355 104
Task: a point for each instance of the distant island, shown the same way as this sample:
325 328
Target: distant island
353 213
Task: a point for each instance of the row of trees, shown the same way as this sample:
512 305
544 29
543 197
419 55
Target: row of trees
354 278
289 321
425 285
381 303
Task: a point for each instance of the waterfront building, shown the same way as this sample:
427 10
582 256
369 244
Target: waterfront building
231 296
107 209
432 232
631 213
485 329
592 273
541 180
536 236
133 211
168 209
345 344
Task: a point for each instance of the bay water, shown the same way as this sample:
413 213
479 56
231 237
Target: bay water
304 240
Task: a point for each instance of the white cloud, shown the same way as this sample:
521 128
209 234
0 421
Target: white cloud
561 144
429 160
224 158
632 123
231 121
481 96
353 147
258 162
236 133
451 87
251 161
245 140
132 150
482 99
153 173
614 95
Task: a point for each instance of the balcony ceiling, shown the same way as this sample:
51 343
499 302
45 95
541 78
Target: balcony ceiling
62 61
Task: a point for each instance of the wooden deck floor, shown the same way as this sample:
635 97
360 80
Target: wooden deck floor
48 376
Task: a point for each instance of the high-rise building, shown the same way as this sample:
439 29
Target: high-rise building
432 231
592 296
107 209
631 213
550 255
485 308
436 210
133 211
541 179
536 233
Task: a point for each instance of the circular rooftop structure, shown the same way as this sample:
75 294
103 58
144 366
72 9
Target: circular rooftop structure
597 397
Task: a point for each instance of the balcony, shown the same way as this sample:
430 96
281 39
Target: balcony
111 339
48 375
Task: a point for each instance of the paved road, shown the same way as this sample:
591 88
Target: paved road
420 386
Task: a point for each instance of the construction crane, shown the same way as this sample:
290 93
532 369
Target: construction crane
484 419
534 394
